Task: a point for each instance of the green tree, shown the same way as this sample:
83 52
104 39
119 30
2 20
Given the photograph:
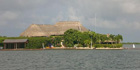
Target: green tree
71 37
112 37
87 42
56 40
103 38
119 38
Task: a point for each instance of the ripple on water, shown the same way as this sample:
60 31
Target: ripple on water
70 60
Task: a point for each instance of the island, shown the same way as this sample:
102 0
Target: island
62 35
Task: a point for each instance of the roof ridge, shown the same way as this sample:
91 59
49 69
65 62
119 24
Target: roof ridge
55 29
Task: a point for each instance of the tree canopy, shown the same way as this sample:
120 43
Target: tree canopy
72 37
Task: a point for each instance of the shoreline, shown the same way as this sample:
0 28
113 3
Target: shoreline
19 49
109 48
69 48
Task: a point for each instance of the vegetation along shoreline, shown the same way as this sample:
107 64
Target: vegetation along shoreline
71 38
63 35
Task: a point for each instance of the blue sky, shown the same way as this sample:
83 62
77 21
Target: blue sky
112 16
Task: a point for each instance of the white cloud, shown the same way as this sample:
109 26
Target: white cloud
72 14
59 17
7 16
38 19
103 23
130 25
137 25
111 14
131 7
116 24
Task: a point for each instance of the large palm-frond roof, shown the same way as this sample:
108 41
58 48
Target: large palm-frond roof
47 30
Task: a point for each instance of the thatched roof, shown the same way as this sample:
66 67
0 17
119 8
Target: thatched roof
15 40
59 28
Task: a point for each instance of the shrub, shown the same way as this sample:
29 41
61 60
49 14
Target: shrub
79 45
107 45
36 42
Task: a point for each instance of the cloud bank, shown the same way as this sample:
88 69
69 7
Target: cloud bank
112 16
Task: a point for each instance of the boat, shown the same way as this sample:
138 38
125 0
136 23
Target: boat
133 46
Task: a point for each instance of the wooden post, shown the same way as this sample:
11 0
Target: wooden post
24 45
14 46
4 46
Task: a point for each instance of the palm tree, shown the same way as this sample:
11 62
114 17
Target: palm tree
119 38
87 42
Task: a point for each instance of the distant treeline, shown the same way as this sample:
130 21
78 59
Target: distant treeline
71 38
3 36
130 43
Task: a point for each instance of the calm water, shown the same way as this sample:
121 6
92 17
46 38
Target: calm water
131 45
70 60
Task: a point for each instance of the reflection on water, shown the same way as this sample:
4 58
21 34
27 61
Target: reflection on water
70 60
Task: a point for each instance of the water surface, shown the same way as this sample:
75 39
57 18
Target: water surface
70 60
131 45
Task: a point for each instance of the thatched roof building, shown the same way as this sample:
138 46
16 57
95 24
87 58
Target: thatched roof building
59 28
